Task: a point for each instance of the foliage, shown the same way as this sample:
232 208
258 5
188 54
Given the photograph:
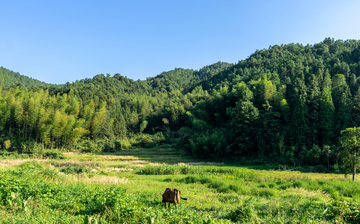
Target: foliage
7 144
74 169
350 156
10 79
31 193
274 106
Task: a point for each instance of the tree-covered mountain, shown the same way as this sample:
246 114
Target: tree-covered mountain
286 104
10 79
127 106
185 78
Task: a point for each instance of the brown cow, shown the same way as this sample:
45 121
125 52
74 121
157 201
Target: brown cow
171 195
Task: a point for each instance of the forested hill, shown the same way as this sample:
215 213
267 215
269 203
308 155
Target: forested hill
115 88
292 61
185 78
10 79
287 104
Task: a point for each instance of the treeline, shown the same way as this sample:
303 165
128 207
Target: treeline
49 120
160 102
285 104
10 79
104 107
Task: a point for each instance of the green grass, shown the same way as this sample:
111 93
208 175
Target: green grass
125 187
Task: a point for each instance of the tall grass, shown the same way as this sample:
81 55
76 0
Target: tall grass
199 170
31 193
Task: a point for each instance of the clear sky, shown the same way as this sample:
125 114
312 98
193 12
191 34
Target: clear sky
64 41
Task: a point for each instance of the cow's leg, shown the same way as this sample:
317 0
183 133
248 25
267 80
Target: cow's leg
169 205
165 204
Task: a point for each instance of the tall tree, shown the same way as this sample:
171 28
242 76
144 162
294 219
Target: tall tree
326 112
342 103
350 155
243 117
299 121
313 106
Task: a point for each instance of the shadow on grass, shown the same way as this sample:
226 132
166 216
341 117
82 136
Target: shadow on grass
153 155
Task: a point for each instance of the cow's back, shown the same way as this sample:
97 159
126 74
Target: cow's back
171 195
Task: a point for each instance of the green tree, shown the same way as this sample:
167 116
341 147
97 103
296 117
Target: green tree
243 117
342 102
326 112
98 120
299 121
313 106
143 125
350 155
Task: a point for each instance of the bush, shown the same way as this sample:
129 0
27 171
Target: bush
344 211
297 184
75 169
52 154
148 141
125 144
265 192
244 213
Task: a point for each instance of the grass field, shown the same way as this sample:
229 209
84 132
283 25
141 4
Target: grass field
124 187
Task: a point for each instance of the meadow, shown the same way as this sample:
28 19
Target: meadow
125 187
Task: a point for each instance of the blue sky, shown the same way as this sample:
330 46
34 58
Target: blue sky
64 41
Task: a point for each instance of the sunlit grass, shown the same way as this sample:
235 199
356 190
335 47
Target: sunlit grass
214 191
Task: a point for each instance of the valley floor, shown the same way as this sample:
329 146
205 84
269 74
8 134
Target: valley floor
126 186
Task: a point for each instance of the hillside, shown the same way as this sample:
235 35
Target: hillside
10 79
291 61
286 104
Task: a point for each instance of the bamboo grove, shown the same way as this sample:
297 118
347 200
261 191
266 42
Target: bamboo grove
51 120
286 103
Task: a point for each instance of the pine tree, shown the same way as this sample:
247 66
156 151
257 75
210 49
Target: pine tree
243 117
342 103
326 112
313 106
299 121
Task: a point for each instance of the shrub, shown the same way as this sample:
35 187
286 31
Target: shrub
297 184
53 154
148 141
125 144
263 185
75 169
7 144
244 213
344 211
266 192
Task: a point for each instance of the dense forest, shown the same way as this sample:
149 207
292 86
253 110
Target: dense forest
12 79
286 104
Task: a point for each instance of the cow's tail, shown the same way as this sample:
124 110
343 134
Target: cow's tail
183 198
